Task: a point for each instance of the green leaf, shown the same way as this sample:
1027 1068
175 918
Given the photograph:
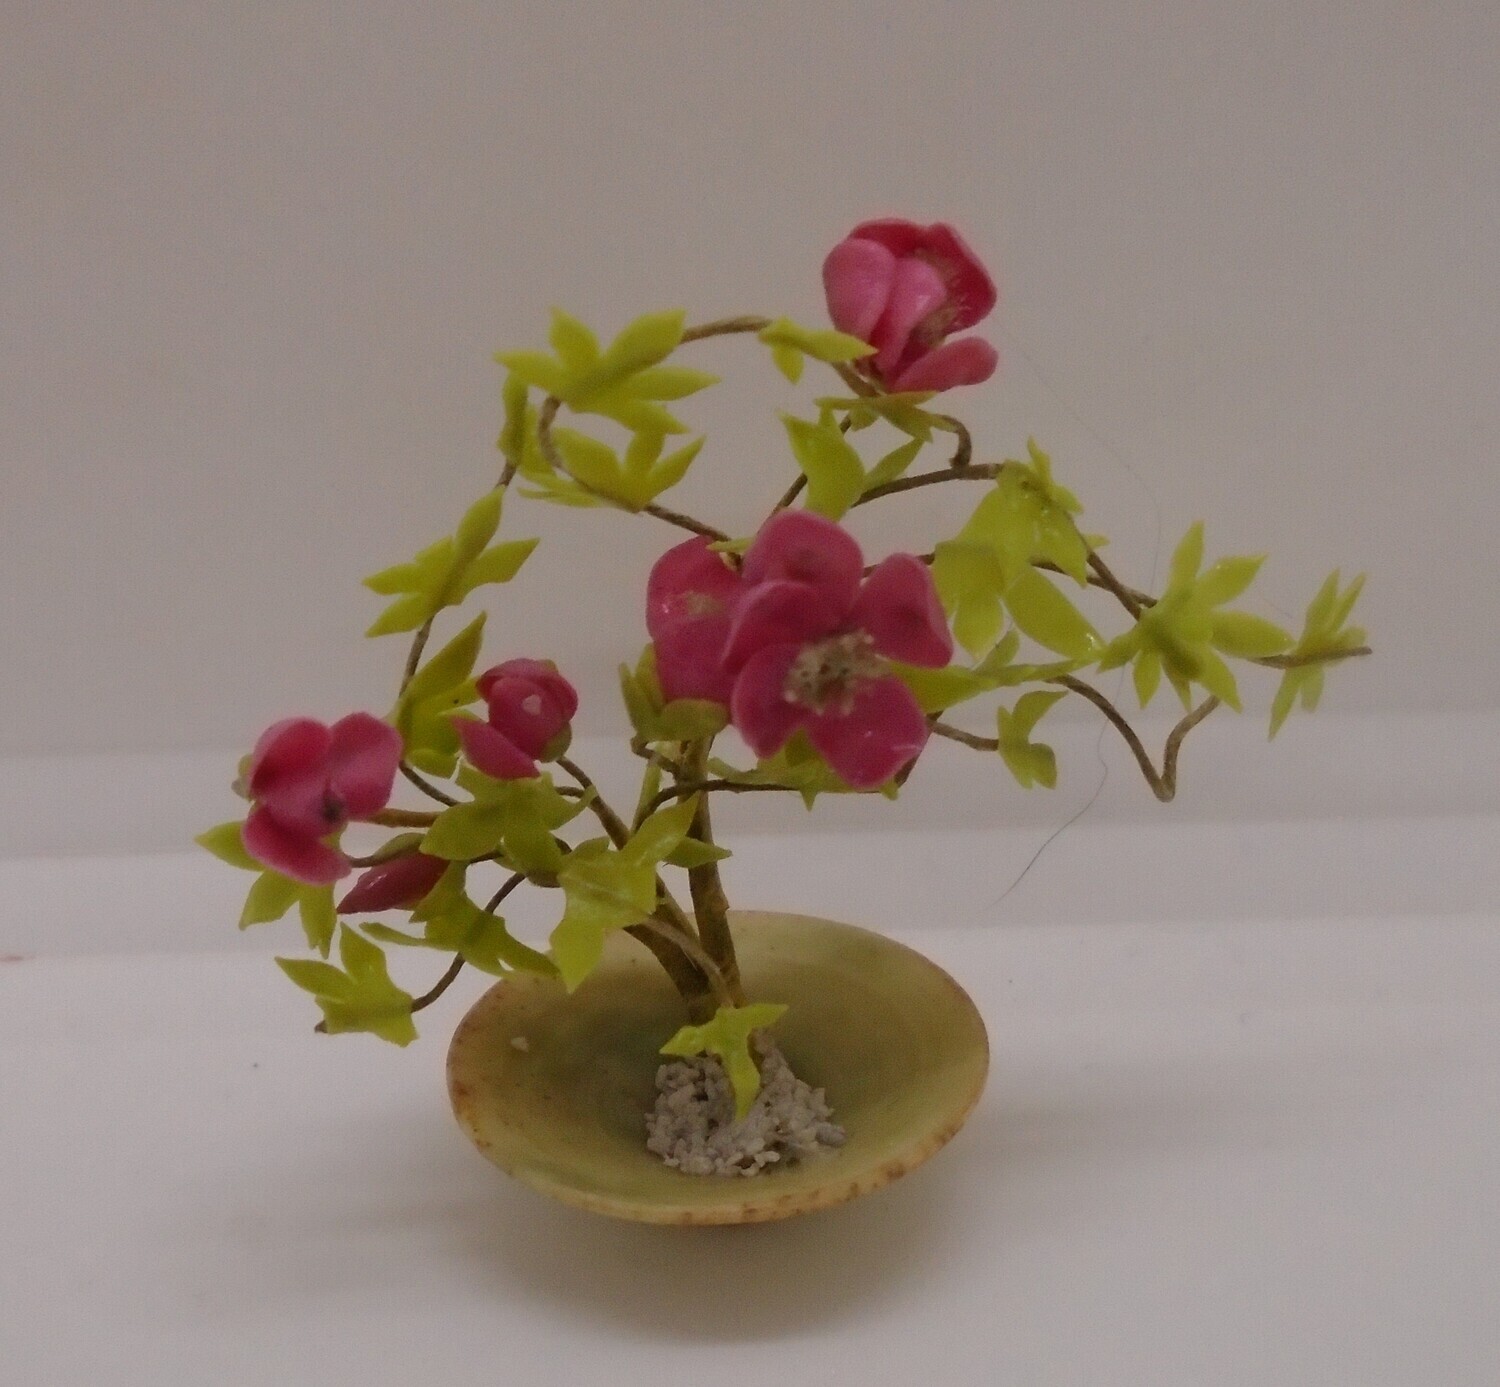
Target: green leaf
657 838
728 1036
1147 673
689 719
893 465
576 346
672 469
466 832
970 579
1248 637
671 382
788 360
692 853
447 571
1049 618
835 475
1324 634
940 689
1228 578
902 411
315 906
1187 558
1030 762
604 891
227 844
358 997
825 344
271 896
646 341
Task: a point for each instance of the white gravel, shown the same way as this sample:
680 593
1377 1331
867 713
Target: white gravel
692 1126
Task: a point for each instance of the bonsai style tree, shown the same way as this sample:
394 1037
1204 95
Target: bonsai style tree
838 673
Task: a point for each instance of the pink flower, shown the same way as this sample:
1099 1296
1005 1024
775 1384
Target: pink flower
529 708
905 289
395 885
307 781
689 597
801 639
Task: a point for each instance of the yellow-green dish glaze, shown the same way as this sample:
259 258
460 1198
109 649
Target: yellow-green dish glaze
554 1089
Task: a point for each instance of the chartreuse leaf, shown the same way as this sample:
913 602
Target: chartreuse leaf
632 482
893 465
789 343
654 720
446 572
624 382
797 766
691 852
728 1036
1028 518
455 924
423 713
608 889
1030 762
1042 612
939 689
835 475
971 579
659 836
1184 634
902 411
516 818
604 890
1324 635
227 844
360 996
272 895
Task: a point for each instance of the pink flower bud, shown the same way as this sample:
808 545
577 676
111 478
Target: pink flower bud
529 706
905 289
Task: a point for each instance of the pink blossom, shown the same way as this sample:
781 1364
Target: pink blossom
689 597
307 781
906 289
529 707
395 885
802 639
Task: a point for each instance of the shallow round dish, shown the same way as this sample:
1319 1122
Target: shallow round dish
554 1089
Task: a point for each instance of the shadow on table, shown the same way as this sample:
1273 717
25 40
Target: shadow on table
720 1284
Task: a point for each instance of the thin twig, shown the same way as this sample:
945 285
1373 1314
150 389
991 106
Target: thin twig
414 655
1302 661
975 472
722 327
426 786
963 455
1127 597
441 986
614 825
402 818
692 787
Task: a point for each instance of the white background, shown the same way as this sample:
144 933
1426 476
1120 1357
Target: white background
256 260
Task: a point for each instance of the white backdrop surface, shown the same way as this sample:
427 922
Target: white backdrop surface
256 258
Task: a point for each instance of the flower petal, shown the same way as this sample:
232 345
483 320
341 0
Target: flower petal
918 290
971 291
493 752
296 855
760 709
362 759
524 711
898 605
857 278
395 885
689 597
811 549
778 612
541 672
896 234
881 733
968 361
288 775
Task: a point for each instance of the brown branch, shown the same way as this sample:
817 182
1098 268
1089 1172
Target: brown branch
685 788
677 518
441 986
710 903
426 786
1133 602
975 472
963 455
723 327
614 825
